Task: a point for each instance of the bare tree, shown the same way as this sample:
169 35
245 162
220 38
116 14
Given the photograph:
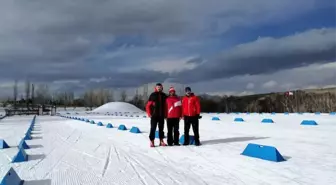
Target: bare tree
101 96
89 98
145 92
33 93
43 94
15 92
65 99
27 89
123 96
109 95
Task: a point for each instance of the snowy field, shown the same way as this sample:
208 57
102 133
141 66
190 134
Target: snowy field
72 152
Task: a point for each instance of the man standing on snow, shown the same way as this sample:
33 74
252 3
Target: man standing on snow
155 109
191 113
174 114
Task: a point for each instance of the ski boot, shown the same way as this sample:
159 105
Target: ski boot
152 144
162 143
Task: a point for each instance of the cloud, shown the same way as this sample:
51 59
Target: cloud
270 84
197 60
299 78
115 43
250 86
172 65
267 55
44 33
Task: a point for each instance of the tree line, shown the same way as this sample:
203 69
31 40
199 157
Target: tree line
40 94
300 101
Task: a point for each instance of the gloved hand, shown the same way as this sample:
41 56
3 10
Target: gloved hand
199 116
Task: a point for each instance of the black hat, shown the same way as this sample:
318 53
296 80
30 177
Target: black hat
187 89
158 84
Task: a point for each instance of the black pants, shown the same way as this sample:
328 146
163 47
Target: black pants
173 127
191 121
154 123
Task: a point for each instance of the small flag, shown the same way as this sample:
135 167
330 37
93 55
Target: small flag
289 93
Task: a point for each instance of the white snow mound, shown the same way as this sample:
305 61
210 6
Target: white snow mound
117 107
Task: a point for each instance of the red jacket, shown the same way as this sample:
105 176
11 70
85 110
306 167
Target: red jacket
191 105
173 107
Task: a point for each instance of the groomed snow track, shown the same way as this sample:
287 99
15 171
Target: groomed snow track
72 152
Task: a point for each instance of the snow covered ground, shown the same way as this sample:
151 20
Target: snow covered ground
71 152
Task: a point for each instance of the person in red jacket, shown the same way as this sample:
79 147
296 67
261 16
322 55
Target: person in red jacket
174 114
191 113
155 109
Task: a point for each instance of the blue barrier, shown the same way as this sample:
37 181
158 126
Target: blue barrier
317 113
332 113
122 127
27 137
109 125
286 113
267 121
273 113
308 122
135 130
92 122
264 152
100 124
191 140
23 144
3 144
87 120
215 119
21 156
239 120
11 178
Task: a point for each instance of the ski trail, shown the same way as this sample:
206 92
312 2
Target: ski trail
136 171
63 155
211 162
169 162
116 151
142 167
58 162
107 162
33 166
94 150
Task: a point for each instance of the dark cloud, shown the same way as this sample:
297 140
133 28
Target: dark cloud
130 79
267 55
48 40
197 60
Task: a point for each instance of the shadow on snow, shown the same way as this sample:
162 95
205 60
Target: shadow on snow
230 140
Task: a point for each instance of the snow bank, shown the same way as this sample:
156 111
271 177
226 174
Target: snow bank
117 107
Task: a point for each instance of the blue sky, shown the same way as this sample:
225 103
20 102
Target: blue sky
230 47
